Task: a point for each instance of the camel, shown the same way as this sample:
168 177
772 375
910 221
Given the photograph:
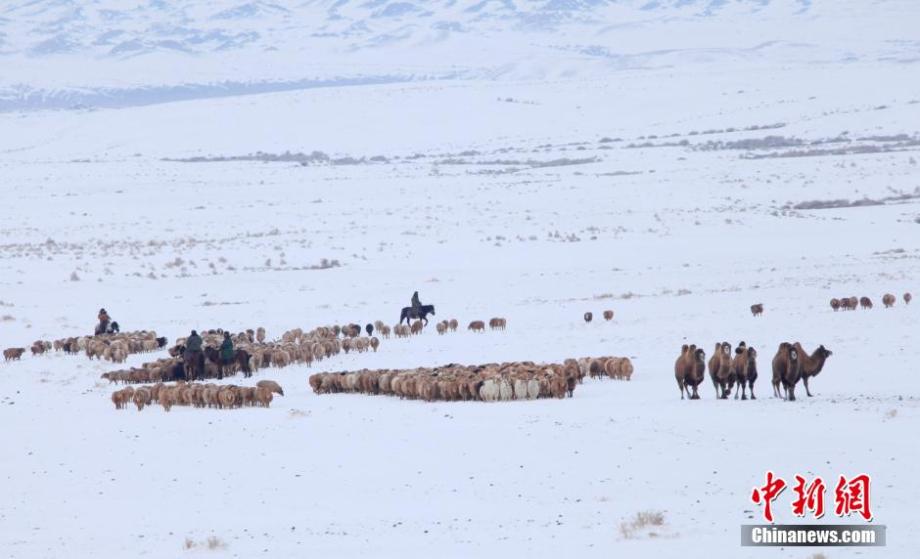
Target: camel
787 369
689 370
720 370
744 368
811 364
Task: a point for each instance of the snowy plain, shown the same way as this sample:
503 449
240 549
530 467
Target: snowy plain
652 166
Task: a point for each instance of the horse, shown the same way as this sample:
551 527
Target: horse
409 313
194 368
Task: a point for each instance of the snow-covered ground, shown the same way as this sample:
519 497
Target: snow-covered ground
659 178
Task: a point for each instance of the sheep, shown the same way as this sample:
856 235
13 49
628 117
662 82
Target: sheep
263 396
907 298
260 335
888 300
588 316
13 353
142 398
37 348
417 327
757 309
491 382
497 323
608 315
477 326
270 385
441 327
865 303
375 343
453 324
384 331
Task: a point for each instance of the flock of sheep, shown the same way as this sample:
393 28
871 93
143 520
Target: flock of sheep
790 364
295 347
589 316
521 380
851 303
198 395
111 347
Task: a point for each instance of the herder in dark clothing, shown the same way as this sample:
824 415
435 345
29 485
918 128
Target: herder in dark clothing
104 320
193 355
226 354
416 304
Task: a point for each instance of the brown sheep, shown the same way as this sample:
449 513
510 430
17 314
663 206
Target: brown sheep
477 326
453 324
608 315
757 309
865 302
270 385
37 348
812 364
888 300
497 323
417 327
142 398
787 370
907 298
835 304
263 396
689 370
853 302
13 353
720 370
588 317
744 367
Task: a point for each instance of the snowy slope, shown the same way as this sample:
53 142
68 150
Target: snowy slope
62 54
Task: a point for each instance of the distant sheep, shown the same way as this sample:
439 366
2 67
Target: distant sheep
441 327
865 302
907 298
498 323
477 326
835 304
13 353
608 315
198 395
757 309
488 383
588 317
888 300
453 324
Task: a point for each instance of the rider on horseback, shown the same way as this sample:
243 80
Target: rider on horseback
104 320
416 304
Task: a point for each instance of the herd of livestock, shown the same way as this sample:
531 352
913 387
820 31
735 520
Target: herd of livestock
790 365
520 380
851 303
730 370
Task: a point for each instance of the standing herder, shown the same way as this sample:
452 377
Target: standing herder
226 354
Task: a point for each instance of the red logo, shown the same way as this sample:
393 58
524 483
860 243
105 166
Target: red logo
850 496
767 494
853 496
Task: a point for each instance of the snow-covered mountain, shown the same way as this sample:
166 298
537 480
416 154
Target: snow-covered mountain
73 53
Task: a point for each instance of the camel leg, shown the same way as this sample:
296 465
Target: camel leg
751 384
805 380
680 386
